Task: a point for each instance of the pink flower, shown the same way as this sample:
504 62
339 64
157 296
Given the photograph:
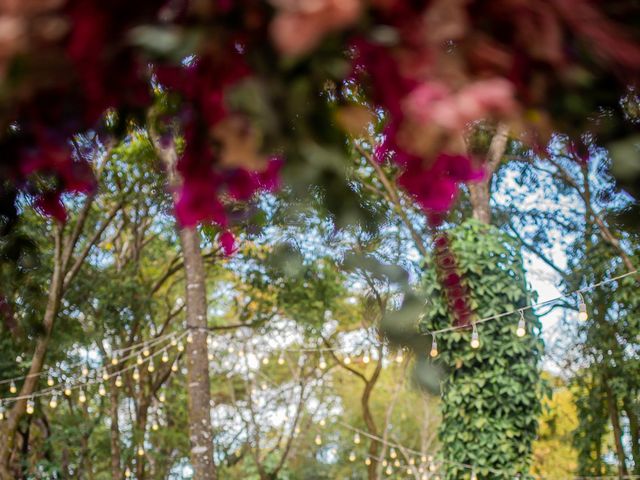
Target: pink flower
50 204
300 25
227 242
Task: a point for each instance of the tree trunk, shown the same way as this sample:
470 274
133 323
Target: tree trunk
200 431
617 430
634 428
115 430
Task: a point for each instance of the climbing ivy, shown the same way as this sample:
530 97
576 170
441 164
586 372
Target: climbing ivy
491 395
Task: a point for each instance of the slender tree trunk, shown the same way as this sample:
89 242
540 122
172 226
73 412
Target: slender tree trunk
198 388
10 426
634 428
115 431
617 430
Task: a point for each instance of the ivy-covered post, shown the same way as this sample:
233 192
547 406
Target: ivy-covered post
491 394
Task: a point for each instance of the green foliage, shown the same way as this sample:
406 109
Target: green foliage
491 395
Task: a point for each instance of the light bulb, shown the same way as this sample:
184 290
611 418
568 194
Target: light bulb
151 368
146 352
180 347
155 426
399 357
189 338
322 364
423 458
318 440
165 357
280 360
263 386
208 340
30 407
396 463
322 422
475 339
210 356
231 349
139 360
127 472
136 374
473 475
140 451
67 390
366 358
385 462
114 360
347 360
389 470
356 439
432 466
82 397
297 431
392 453
12 387
85 370
173 342
105 375
352 457
522 327
241 353
162 397
367 461
50 381
53 403
1 412
412 461
174 367
101 390
118 381
265 361
582 308
433 353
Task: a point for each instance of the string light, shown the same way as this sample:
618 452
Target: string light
101 390
367 461
173 342
12 387
53 403
114 359
189 338
385 462
399 357
396 463
389 470
139 360
392 453
352 456
165 357
174 366
582 308
356 438
323 363
347 360
127 472
162 397
30 407
473 474
85 370
265 361
67 390
366 359
105 375
118 381
151 368
82 397
475 339
522 327
433 353
50 381
318 440
180 347
210 356
140 451
322 422
280 360
1 412
136 374
155 426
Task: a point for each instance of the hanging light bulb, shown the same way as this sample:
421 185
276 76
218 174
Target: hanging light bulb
139 359
85 370
165 357
67 390
114 359
582 308
173 341
323 363
30 407
162 397
356 438
265 361
151 368
433 353
53 403
281 360
140 451
105 375
322 422
389 470
392 453
396 463
118 381
423 458
475 339
50 381
385 462
263 386
145 351
347 360
180 347
208 340
190 338
174 366
412 461
1 412
155 426
82 397
127 472
367 461
473 475
409 471
366 358
522 326
399 356
297 431
241 353
12 387
210 356
101 390
318 440
136 374
231 349
352 456
432 466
